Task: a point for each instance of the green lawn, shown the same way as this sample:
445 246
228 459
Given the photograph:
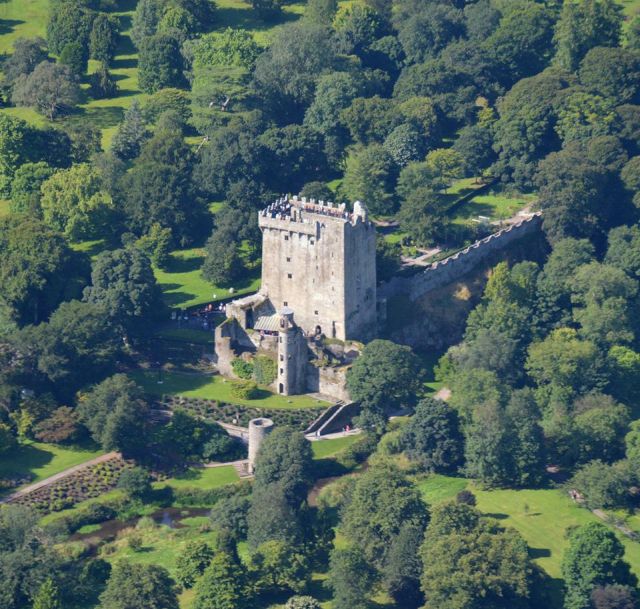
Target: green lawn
4 208
202 478
40 460
541 516
21 18
28 18
161 545
323 449
183 285
215 387
495 205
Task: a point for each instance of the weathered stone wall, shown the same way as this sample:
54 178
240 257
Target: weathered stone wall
437 319
328 381
319 260
451 269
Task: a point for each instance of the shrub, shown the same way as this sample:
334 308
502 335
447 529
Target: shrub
264 370
134 541
358 452
245 390
242 369
220 447
136 482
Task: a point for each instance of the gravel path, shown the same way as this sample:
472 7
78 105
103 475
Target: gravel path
59 476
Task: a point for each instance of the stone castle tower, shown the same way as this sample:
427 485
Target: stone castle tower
318 280
319 261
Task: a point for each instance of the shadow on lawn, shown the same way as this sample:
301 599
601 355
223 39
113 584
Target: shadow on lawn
240 18
175 298
178 264
127 63
8 25
23 459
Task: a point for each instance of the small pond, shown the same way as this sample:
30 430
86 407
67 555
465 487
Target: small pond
170 517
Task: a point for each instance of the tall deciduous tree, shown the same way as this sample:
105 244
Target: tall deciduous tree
122 281
222 585
160 63
383 500
432 437
115 412
138 585
594 558
76 347
160 190
286 73
74 203
351 577
385 376
38 269
585 25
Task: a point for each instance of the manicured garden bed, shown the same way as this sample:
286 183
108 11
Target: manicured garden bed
241 415
87 483
34 461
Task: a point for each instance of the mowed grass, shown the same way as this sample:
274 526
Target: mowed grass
161 545
323 449
28 18
21 18
4 208
183 285
204 478
542 516
39 461
216 387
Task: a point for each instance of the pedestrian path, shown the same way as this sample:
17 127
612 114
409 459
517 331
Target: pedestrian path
59 476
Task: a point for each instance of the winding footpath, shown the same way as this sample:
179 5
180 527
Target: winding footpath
59 476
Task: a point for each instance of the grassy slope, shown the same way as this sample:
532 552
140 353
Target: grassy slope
184 286
323 449
40 460
202 478
215 387
541 516
162 545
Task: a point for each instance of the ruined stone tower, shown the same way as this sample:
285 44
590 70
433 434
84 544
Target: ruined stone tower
318 260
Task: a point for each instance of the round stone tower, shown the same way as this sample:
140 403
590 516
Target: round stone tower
286 352
259 429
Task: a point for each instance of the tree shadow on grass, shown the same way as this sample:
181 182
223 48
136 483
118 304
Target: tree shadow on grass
178 264
190 474
23 459
175 298
127 63
240 18
122 6
539 552
8 25
497 516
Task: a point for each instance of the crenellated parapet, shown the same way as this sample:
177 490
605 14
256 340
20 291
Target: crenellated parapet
455 266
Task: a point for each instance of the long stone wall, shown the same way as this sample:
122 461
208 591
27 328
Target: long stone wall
459 264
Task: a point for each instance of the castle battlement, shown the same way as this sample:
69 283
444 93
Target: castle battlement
299 210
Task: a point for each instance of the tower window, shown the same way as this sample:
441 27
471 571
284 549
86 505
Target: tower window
282 358
315 312
285 304
281 370
289 276
311 241
288 259
286 237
